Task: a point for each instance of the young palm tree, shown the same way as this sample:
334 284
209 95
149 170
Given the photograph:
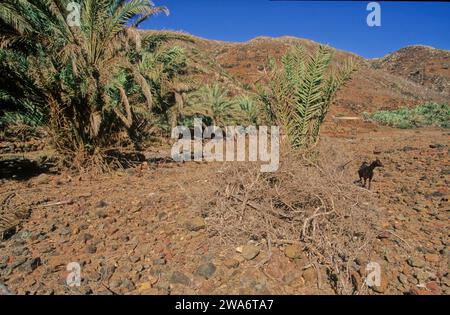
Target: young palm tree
250 109
213 102
301 91
84 76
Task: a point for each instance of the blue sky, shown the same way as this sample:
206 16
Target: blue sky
339 24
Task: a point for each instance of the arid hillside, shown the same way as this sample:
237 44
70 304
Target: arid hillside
424 65
409 77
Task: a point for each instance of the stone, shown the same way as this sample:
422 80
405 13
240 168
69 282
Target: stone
115 284
382 287
144 287
65 231
18 262
102 204
152 279
91 249
310 275
250 252
383 235
159 261
231 263
207 270
35 262
416 262
164 285
129 285
4 290
101 214
87 237
139 268
432 258
446 281
163 216
421 276
416 291
389 258
293 251
433 287
299 282
403 279
195 224
4 261
180 278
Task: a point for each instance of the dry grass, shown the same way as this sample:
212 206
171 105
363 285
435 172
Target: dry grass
310 201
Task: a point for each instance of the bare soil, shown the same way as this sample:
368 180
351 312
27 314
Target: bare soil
145 230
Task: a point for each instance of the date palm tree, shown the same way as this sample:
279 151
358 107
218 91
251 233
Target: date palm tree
83 76
213 102
301 90
250 109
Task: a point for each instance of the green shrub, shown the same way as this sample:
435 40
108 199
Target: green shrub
429 114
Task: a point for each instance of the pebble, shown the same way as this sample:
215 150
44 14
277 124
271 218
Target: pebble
250 252
382 287
87 237
421 276
102 204
115 284
101 214
432 258
180 278
195 224
309 275
163 216
91 249
20 261
231 263
416 262
65 231
207 270
403 279
159 261
293 251
129 285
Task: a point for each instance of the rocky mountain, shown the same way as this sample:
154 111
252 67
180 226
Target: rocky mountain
427 66
408 77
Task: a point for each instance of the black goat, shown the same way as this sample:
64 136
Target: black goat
366 171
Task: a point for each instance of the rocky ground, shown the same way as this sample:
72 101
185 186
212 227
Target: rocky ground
142 231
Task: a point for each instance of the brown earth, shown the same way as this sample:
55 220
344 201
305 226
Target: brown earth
142 231
408 77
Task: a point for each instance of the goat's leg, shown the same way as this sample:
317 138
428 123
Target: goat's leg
365 181
370 182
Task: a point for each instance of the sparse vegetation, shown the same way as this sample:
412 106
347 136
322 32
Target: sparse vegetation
430 114
214 102
250 108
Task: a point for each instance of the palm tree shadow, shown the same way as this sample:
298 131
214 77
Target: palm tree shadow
20 168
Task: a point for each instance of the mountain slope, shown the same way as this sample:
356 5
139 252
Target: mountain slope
379 83
424 65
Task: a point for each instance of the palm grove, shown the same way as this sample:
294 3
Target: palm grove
92 83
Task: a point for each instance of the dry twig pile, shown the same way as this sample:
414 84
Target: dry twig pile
311 202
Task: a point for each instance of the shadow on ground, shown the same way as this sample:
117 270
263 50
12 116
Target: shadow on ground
20 168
